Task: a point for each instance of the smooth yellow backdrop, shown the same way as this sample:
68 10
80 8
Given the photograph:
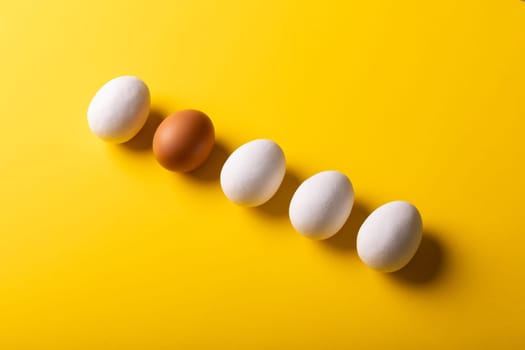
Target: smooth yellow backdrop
101 248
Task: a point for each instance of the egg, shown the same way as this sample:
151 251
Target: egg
321 204
184 140
253 172
390 236
119 109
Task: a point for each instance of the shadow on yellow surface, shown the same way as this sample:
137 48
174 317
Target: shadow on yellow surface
344 240
210 171
278 205
142 142
426 266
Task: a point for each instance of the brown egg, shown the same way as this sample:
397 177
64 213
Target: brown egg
184 140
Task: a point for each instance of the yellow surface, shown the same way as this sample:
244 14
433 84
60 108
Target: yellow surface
101 248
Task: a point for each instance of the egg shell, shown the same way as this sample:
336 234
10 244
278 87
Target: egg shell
119 109
390 236
253 172
321 204
184 140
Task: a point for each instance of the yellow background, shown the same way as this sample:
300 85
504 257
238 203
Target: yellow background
101 248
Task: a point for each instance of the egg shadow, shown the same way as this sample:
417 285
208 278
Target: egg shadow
142 142
345 240
426 266
278 205
210 171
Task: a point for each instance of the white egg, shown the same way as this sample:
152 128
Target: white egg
321 204
119 109
253 172
390 236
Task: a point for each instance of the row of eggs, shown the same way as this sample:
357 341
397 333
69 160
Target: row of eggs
387 240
